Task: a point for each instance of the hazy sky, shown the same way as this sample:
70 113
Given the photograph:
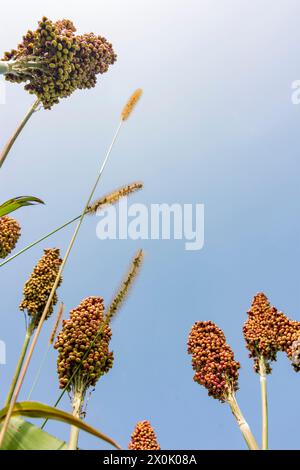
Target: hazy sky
216 126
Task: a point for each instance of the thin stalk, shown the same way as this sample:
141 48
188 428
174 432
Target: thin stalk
49 301
264 403
39 241
242 423
17 132
19 364
38 374
77 407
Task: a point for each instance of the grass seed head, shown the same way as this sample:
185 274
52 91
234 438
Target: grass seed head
10 232
37 289
143 437
80 341
268 331
53 61
213 360
131 103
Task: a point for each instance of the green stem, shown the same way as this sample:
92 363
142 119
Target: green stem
77 406
264 402
17 132
19 365
53 290
242 423
4 68
39 241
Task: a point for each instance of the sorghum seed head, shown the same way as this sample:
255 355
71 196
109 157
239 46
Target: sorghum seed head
213 360
268 331
84 331
143 437
54 62
37 289
10 232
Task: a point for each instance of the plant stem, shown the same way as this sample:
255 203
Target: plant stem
77 405
39 240
53 290
242 423
20 363
4 67
17 132
264 402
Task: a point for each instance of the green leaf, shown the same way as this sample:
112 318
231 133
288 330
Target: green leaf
22 435
13 204
39 410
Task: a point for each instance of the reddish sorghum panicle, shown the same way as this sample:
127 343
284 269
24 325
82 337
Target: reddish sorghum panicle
37 289
213 360
84 338
53 61
268 331
143 437
10 232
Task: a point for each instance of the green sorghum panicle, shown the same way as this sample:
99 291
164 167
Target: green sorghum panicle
37 289
143 437
54 61
213 360
10 232
80 340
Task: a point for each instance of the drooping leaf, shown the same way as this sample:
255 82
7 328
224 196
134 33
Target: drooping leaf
13 204
22 435
39 410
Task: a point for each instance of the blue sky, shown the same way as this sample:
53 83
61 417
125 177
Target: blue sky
216 125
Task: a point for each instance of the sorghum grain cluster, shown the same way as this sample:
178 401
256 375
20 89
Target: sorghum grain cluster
143 437
213 360
10 232
55 62
268 331
80 340
37 289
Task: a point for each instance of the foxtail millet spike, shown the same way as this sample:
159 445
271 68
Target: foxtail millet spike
10 232
114 196
125 286
131 103
143 437
38 287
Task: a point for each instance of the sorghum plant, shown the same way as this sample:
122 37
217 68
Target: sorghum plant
80 335
36 291
10 232
53 61
217 370
143 437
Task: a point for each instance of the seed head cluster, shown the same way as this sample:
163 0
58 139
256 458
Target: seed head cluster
213 360
54 61
143 437
37 289
10 232
84 338
268 331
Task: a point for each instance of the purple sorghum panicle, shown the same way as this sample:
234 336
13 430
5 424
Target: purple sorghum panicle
79 334
10 232
213 360
37 289
143 437
54 61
